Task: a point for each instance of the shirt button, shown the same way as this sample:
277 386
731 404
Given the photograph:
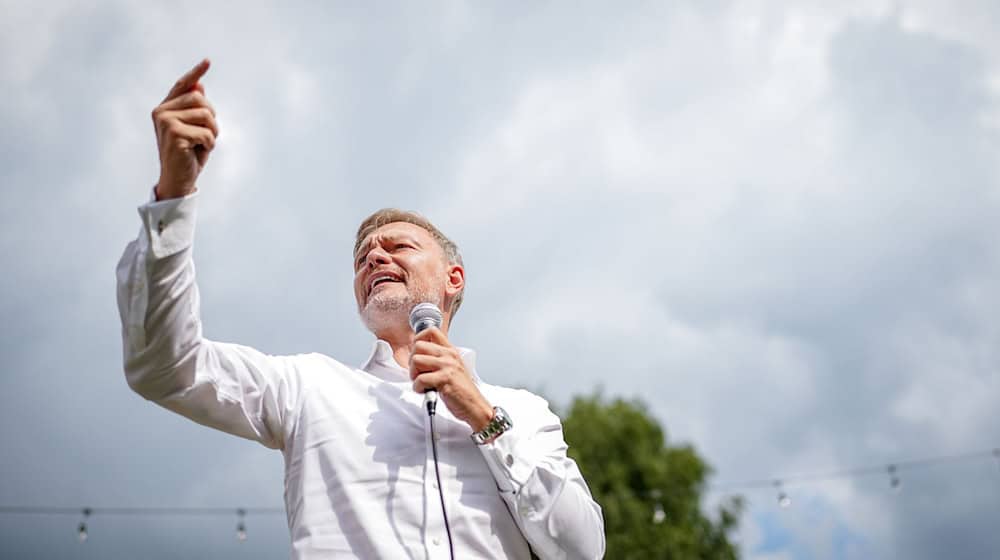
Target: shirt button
160 226
436 541
509 459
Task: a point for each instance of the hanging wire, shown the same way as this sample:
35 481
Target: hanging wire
175 511
855 472
659 515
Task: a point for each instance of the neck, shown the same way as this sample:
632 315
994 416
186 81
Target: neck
400 339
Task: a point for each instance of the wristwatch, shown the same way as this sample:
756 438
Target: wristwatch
501 423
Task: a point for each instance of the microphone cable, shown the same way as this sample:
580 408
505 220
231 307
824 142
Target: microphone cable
431 409
424 316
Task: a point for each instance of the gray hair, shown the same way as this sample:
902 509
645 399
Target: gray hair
393 215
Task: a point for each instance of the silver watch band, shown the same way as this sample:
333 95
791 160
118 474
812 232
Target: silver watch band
501 423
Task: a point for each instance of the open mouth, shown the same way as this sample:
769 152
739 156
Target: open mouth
383 279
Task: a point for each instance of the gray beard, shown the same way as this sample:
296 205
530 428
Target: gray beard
383 312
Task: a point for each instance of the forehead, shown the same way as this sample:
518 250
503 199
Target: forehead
399 230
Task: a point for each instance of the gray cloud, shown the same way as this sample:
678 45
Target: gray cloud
782 218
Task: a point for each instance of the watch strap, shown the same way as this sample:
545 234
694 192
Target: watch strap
500 423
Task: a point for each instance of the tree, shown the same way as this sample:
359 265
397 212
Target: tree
650 492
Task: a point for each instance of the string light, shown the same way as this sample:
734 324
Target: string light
241 529
855 472
783 499
894 482
81 530
659 516
779 485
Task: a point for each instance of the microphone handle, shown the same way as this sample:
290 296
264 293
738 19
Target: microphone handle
430 400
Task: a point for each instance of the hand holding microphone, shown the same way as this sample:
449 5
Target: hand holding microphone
425 316
436 368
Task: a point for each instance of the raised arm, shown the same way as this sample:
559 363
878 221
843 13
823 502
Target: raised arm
166 359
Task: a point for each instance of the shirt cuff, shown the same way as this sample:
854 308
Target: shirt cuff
169 224
509 461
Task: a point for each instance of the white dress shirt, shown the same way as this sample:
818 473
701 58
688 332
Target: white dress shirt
359 474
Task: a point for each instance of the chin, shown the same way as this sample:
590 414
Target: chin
383 312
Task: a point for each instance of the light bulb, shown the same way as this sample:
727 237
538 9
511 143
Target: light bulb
658 514
784 500
894 481
241 529
81 530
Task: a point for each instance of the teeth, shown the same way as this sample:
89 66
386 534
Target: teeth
382 279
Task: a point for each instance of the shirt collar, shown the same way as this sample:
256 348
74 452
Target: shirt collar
382 364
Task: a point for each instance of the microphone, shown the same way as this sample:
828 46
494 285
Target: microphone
422 317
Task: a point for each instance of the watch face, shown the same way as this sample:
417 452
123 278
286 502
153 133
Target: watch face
502 419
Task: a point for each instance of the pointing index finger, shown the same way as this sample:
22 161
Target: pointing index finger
188 80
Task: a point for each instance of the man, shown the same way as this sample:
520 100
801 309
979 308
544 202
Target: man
359 467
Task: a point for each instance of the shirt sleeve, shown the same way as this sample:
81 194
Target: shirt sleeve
542 486
229 387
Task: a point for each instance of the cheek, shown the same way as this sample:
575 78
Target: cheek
357 288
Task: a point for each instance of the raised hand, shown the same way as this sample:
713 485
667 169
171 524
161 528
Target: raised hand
186 132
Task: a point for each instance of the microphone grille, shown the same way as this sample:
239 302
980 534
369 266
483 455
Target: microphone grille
424 316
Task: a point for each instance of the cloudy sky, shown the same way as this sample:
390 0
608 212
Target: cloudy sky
774 221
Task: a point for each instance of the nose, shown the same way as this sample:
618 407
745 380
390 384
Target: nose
376 257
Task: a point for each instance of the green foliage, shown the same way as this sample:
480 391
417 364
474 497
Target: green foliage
634 475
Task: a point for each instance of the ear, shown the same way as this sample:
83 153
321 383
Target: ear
455 281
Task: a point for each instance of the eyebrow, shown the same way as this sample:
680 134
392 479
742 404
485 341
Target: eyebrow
392 238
